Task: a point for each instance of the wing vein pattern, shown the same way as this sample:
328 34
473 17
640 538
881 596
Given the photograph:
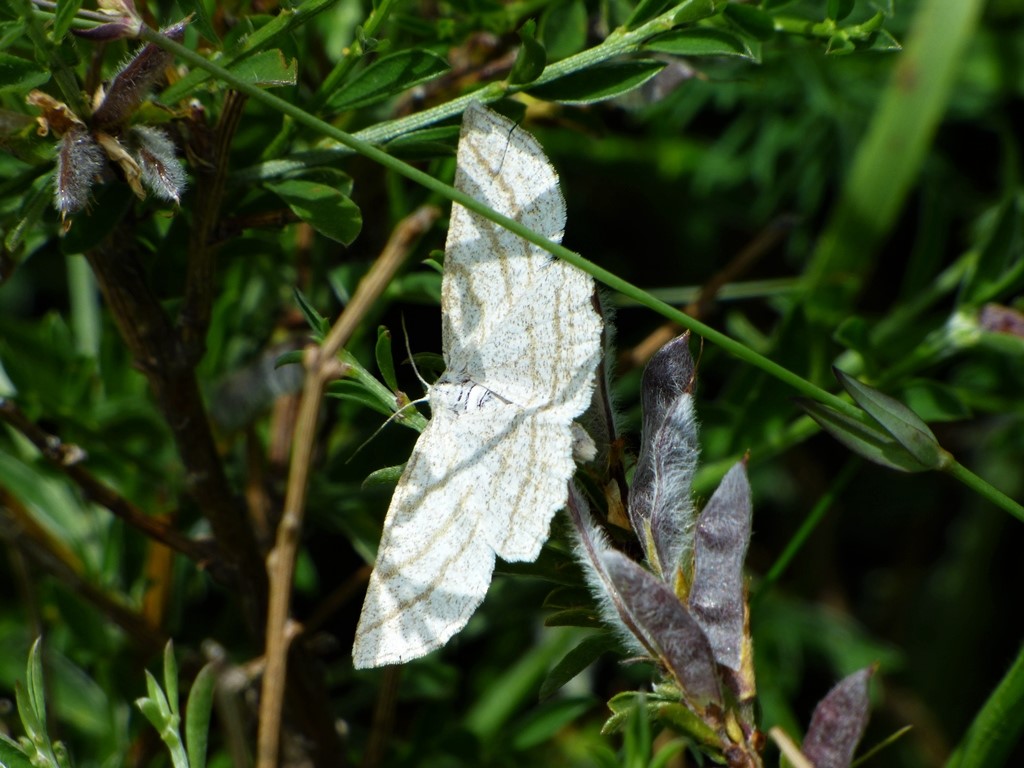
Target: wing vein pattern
521 341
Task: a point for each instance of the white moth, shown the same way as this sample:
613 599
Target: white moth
521 343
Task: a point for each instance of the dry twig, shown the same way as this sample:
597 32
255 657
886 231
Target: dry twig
322 367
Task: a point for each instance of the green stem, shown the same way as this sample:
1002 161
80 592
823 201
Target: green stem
807 528
617 43
353 54
983 489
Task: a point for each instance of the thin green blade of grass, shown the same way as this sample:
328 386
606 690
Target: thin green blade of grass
890 155
998 724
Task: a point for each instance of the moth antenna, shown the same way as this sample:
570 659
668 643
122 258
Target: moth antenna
380 429
412 361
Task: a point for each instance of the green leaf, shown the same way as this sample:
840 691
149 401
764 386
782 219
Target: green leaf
694 10
896 419
598 83
1001 260
867 440
438 141
889 156
839 9
156 695
563 29
20 75
200 17
840 44
11 755
645 10
151 710
883 42
386 77
545 721
66 10
577 660
751 20
33 726
385 360
34 680
33 204
327 210
320 324
384 476
171 676
355 392
197 716
532 58
574 617
997 727
700 42
935 401
267 69
684 722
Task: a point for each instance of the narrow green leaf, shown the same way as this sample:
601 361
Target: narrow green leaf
151 710
66 10
197 716
574 617
543 722
934 401
157 696
329 212
883 42
872 442
200 18
563 29
429 142
267 69
694 10
12 756
670 713
62 756
667 753
840 44
700 42
532 57
384 476
577 660
684 722
839 9
385 361
1000 261
330 177
890 156
317 322
646 10
20 75
896 419
171 676
386 77
355 392
997 727
33 726
33 205
598 83
36 688
751 20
